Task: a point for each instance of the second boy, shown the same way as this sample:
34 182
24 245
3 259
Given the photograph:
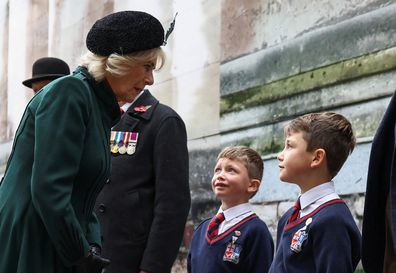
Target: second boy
319 234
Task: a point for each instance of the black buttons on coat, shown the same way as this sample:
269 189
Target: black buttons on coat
102 208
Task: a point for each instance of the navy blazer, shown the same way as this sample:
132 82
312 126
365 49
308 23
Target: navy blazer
380 182
144 206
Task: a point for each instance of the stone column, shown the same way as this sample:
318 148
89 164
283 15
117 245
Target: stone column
4 21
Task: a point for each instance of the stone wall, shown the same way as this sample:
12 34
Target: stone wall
342 60
281 59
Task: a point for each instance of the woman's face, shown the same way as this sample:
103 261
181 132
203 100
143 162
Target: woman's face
127 87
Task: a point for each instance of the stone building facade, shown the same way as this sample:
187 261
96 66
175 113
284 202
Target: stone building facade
237 72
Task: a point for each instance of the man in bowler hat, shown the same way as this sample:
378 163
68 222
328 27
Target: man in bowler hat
45 70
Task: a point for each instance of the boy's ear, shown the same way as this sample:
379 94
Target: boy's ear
253 186
319 157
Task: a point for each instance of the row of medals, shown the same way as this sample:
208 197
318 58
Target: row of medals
123 142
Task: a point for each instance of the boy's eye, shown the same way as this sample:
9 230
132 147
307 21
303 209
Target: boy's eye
231 170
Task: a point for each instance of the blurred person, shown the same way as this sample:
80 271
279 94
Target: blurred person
379 217
45 70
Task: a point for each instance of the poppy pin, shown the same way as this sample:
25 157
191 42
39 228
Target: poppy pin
141 108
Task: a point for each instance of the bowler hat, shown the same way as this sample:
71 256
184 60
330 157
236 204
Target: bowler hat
125 32
47 68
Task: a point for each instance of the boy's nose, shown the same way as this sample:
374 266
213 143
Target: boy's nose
280 156
220 175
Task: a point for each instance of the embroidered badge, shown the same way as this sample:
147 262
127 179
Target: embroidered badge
233 250
232 253
141 108
299 237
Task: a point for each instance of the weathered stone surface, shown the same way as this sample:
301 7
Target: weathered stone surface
195 102
4 26
358 205
350 180
204 202
268 138
5 149
17 66
248 26
283 207
312 80
268 213
347 93
38 27
180 265
373 31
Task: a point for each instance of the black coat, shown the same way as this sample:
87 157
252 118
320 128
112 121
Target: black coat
144 206
381 181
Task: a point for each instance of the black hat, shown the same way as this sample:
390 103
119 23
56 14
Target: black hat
47 68
125 32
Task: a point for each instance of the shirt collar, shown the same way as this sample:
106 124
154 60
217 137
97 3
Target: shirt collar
309 197
126 105
236 211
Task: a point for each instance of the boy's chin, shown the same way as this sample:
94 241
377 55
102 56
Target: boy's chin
283 179
290 182
286 180
218 195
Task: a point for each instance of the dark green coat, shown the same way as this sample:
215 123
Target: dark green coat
59 162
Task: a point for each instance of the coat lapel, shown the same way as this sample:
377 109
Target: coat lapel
131 118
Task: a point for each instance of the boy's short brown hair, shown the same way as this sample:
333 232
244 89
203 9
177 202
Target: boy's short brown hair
329 131
249 157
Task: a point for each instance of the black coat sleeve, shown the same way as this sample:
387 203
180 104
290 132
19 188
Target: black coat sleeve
172 196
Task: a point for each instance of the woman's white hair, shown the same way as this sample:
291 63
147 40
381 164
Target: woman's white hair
119 65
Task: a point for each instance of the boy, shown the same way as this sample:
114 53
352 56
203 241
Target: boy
235 240
318 234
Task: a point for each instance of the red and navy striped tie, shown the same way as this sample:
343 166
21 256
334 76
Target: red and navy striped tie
296 211
213 228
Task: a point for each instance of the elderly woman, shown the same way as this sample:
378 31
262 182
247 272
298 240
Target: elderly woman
60 159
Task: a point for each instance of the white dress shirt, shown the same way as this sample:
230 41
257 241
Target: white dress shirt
234 215
317 196
126 105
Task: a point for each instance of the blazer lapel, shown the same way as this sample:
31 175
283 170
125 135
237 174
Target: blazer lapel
131 117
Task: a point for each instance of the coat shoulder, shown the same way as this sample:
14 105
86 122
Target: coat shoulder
167 111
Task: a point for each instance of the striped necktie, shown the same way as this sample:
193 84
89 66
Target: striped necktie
296 211
213 228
